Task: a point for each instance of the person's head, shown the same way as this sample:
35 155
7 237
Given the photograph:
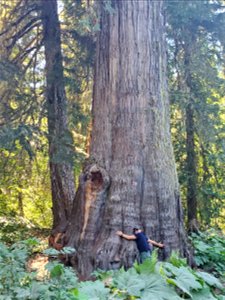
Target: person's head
136 230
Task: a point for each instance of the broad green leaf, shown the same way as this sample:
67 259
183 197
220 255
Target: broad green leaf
200 260
186 281
169 269
203 294
201 246
69 277
55 269
3 250
156 288
182 278
37 289
78 295
174 282
22 293
93 290
51 252
102 274
68 250
129 281
210 279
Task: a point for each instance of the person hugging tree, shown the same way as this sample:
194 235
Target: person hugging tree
143 243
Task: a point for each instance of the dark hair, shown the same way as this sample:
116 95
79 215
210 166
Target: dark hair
135 229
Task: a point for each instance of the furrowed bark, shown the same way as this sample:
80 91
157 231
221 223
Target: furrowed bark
60 140
190 144
130 179
191 171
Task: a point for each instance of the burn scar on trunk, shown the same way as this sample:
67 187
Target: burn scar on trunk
94 184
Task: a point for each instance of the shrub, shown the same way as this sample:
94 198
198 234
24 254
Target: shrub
209 251
171 280
16 229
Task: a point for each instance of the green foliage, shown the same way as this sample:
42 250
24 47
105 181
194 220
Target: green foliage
12 269
25 186
102 275
15 229
24 165
54 253
176 261
195 48
210 251
130 282
149 265
183 278
92 290
23 134
17 283
172 280
203 294
190 283
108 7
209 279
156 288
8 71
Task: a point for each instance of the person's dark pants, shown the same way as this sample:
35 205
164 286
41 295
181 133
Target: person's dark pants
144 255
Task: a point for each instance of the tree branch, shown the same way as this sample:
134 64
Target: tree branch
20 55
18 21
33 56
27 28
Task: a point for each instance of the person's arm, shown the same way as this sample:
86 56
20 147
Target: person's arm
126 236
154 243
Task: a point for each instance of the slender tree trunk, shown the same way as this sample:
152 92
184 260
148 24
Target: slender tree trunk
191 170
130 179
191 166
20 204
205 205
60 139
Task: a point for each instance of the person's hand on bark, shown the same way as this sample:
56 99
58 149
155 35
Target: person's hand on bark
119 233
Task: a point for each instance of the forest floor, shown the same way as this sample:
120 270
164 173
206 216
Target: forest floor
38 264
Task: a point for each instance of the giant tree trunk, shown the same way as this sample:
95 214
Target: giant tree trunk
130 179
60 140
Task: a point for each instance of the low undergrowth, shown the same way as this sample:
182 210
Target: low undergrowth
209 250
171 280
15 229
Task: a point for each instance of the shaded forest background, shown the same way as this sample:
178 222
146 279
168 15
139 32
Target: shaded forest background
195 49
